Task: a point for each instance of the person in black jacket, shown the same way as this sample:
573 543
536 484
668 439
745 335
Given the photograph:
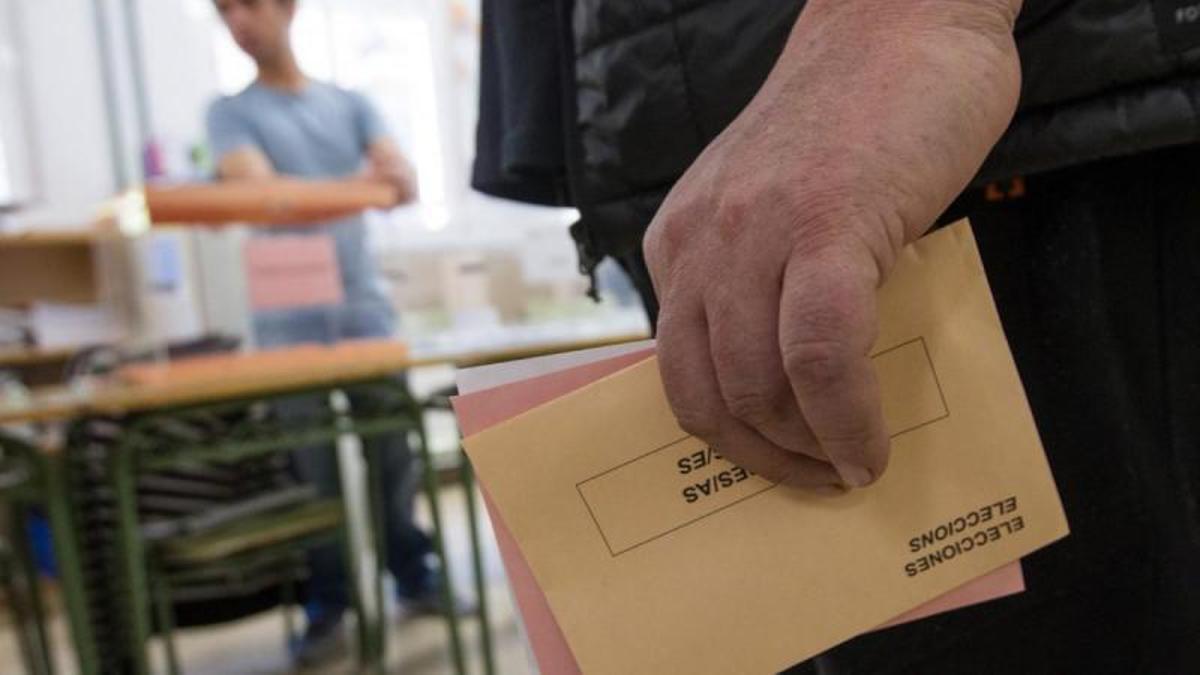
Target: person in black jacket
757 165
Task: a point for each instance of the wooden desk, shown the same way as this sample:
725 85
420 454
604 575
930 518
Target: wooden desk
214 380
313 367
175 390
268 201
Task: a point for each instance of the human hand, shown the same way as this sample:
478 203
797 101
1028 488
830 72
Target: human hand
388 165
767 254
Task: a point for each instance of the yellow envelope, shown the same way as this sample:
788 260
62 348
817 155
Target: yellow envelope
657 556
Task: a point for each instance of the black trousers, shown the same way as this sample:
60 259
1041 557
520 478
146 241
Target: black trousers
1096 273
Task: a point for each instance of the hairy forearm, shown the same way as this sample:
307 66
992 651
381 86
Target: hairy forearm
854 35
918 90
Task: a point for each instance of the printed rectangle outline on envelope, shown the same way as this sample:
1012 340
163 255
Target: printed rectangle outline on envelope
627 516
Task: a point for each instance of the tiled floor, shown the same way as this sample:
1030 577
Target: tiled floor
255 645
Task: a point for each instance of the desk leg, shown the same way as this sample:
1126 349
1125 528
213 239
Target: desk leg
132 558
485 626
439 543
70 568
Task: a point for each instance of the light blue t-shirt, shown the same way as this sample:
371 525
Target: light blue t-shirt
322 132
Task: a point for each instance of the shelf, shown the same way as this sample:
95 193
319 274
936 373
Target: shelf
83 237
16 357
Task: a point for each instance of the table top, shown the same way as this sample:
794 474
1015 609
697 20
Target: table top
225 377
267 201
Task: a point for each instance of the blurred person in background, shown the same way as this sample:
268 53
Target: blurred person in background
287 125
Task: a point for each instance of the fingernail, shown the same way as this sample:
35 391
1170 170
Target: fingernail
855 476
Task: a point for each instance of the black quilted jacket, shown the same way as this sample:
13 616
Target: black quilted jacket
650 82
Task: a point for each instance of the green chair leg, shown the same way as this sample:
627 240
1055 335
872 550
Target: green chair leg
29 616
485 626
166 619
435 510
70 567
17 599
132 558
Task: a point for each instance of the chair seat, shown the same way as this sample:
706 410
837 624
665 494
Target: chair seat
268 529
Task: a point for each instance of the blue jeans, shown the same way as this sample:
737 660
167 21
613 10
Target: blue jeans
408 547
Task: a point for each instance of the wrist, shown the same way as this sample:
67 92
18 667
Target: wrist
864 26
884 86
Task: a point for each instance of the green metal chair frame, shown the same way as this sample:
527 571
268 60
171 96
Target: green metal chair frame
139 451
275 538
31 477
18 575
440 401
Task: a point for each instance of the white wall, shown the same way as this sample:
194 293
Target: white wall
16 168
72 168
180 71
72 165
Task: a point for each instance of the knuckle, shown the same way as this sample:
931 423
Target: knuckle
734 210
753 407
757 213
831 307
664 244
655 267
652 246
817 365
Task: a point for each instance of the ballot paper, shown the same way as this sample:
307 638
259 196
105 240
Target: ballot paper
494 393
657 555
285 272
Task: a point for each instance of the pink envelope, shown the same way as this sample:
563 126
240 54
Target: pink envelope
483 409
283 272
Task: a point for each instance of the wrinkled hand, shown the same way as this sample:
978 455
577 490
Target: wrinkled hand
767 255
